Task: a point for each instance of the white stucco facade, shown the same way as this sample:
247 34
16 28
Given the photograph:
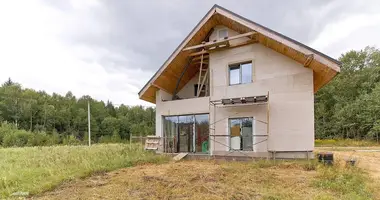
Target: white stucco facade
291 100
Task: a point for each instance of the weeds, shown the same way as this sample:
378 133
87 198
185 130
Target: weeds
344 143
348 183
37 169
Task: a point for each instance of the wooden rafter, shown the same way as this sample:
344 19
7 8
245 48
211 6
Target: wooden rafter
223 48
200 57
308 61
218 42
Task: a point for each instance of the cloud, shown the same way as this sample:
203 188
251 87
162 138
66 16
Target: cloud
110 49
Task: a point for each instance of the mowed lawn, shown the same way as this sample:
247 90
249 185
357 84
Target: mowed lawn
38 169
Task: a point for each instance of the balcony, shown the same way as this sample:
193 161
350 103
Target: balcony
183 106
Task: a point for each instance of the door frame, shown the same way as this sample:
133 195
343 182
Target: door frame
240 124
193 139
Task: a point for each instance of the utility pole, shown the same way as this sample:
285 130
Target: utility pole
89 123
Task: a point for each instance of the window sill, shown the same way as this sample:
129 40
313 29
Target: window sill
240 84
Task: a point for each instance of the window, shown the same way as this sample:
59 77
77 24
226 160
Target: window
186 133
240 73
222 33
203 91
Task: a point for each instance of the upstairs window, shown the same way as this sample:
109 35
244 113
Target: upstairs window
240 73
203 91
222 33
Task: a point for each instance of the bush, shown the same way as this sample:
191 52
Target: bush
38 139
53 139
6 128
18 138
70 140
115 138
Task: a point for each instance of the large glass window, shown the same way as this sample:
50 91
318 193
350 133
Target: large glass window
170 133
201 133
240 73
186 133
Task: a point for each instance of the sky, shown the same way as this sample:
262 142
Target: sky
109 49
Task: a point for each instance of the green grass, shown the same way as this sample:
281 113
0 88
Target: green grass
38 169
344 182
344 143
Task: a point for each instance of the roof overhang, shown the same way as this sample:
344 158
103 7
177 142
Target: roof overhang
324 67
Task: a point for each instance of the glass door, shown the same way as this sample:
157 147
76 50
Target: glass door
185 133
241 134
201 133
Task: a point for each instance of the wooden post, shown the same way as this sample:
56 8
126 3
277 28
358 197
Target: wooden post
268 114
89 122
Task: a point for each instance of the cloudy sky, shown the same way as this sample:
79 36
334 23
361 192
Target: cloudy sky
109 49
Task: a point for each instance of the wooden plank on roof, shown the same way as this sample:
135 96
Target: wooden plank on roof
219 42
223 48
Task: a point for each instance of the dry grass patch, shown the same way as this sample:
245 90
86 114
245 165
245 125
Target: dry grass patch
217 180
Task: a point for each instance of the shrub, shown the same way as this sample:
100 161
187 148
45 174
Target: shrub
70 140
53 139
18 138
38 139
6 128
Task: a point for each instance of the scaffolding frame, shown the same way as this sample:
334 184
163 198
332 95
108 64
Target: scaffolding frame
220 103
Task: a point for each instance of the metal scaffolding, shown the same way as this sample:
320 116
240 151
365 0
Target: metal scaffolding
233 102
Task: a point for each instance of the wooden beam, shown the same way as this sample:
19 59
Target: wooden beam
199 57
199 62
308 61
223 48
198 53
218 42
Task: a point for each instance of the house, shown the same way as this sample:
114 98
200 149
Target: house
236 88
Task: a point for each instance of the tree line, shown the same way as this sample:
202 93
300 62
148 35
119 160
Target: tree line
349 106
65 117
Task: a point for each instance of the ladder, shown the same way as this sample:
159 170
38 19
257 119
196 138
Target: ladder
203 78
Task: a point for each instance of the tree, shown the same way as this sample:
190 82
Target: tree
349 106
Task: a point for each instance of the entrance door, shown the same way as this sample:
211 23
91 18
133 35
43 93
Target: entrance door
241 134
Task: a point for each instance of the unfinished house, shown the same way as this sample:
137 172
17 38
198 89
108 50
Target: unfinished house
236 88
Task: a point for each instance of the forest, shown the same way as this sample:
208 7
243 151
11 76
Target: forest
30 117
347 107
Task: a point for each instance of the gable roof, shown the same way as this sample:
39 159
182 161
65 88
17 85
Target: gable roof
323 66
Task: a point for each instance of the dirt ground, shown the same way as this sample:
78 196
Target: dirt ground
206 180
367 158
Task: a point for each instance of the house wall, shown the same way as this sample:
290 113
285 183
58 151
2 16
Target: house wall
188 90
291 98
177 107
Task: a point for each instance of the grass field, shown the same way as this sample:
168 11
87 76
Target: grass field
223 180
37 169
122 172
345 143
